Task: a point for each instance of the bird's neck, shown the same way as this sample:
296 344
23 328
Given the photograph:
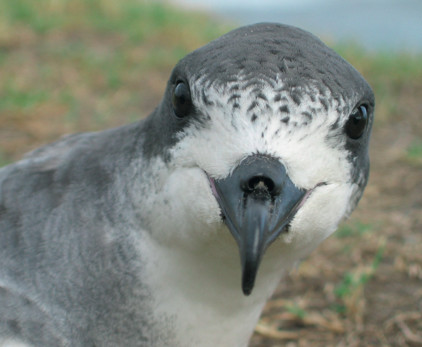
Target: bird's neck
200 293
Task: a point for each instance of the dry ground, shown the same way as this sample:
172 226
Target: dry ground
362 287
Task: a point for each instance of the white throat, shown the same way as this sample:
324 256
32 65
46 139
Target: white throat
199 293
191 262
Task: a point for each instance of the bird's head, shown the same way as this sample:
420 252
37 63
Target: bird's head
263 134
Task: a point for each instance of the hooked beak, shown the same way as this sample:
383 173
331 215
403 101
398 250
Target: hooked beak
258 201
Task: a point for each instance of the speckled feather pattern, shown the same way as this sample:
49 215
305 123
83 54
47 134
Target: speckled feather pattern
115 238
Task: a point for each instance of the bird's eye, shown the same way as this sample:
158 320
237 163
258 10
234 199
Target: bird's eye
356 124
182 102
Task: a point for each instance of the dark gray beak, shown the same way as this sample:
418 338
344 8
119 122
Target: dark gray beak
258 200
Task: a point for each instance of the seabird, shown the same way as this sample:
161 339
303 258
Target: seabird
175 230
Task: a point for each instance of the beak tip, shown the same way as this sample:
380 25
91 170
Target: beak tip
248 279
247 289
257 201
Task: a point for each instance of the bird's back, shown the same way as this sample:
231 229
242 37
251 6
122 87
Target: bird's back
67 276
132 236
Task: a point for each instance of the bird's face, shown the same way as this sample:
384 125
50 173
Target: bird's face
272 144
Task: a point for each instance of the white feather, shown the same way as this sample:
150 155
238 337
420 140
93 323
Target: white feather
193 264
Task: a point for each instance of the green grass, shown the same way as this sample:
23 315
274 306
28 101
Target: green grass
134 20
78 65
88 64
356 229
4 159
414 152
44 16
14 98
351 281
388 73
350 289
382 68
296 310
91 64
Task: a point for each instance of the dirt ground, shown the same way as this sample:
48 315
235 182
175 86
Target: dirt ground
362 286
384 309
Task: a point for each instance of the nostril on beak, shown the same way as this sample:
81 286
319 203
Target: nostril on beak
261 175
260 183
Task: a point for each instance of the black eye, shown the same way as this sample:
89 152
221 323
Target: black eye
182 102
356 124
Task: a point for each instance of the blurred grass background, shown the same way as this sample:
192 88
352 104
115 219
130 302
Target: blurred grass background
82 65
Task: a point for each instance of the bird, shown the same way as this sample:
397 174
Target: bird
176 229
